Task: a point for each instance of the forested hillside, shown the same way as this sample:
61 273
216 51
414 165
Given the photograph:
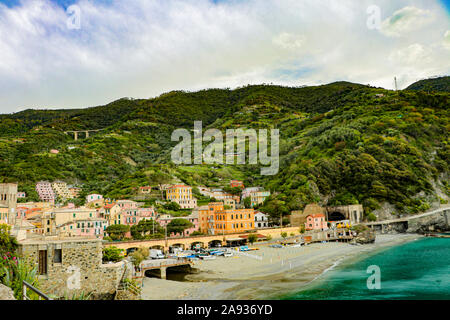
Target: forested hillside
340 143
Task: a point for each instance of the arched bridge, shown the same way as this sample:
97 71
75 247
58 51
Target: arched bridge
86 133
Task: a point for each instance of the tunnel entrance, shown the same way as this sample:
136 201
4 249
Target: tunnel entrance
336 216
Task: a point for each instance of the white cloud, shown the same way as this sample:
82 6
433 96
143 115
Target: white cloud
289 41
446 41
141 48
406 20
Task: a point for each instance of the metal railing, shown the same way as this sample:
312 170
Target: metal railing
41 295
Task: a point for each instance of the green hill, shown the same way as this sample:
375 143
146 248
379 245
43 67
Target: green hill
435 84
340 143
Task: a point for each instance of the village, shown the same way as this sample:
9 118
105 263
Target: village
103 238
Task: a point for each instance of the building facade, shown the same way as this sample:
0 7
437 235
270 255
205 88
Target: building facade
182 195
316 222
45 191
261 220
8 198
61 190
216 220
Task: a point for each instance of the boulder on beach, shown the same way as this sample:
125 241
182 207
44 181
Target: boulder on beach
364 235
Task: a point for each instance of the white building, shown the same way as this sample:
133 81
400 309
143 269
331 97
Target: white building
261 220
93 197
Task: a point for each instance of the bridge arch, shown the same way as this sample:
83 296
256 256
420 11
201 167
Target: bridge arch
195 244
177 245
215 244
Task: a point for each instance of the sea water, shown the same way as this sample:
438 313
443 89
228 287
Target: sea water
416 270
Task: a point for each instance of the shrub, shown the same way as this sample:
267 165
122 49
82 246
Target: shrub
113 254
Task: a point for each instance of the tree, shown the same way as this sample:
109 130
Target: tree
252 238
284 235
145 229
247 202
113 254
7 242
178 226
117 231
139 255
172 206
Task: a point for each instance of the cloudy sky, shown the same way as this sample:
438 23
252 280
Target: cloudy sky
67 54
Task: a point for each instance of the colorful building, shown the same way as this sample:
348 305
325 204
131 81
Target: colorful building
145 190
89 227
261 220
216 220
61 190
8 198
45 191
164 220
21 195
93 197
74 192
182 195
258 197
4 214
52 220
237 184
316 222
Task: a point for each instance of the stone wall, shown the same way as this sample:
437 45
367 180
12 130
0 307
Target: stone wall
80 270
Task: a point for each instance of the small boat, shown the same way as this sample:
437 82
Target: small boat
208 257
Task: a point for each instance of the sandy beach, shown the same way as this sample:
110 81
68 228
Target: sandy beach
265 273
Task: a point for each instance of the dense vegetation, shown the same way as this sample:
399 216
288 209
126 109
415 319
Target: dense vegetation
340 143
437 84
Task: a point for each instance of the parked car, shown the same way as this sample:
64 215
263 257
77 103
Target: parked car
156 254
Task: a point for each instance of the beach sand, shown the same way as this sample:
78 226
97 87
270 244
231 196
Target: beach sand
262 274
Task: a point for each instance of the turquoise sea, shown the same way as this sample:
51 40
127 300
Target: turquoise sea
415 270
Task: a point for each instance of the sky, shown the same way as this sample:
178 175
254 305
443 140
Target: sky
82 53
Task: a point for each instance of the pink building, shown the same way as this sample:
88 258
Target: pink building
45 191
21 195
316 222
127 204
193 218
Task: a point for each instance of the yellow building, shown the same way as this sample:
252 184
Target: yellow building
182 195
3 214
61 190
51 220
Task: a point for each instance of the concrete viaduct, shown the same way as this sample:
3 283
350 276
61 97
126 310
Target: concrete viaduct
86 132
405 224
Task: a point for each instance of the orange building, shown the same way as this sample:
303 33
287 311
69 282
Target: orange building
214 219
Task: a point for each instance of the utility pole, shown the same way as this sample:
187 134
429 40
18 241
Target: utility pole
395 82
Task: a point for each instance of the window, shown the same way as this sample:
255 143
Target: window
57 257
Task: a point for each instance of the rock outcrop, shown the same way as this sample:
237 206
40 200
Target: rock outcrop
6 293
432 223
365 237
